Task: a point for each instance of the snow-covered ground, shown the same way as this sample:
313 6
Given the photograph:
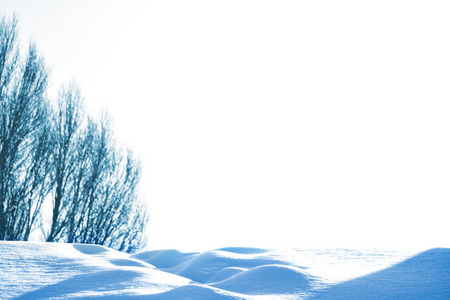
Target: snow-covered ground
64 271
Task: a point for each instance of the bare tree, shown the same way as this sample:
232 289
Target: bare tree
105 211
61 154
23 149
66 136
95 195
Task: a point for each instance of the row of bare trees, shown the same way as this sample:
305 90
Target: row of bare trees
61 171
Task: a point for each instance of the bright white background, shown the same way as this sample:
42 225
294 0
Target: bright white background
268 123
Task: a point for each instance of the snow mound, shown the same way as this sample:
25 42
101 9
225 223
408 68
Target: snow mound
194 292
243 250
74 271
163 258
424 276
201 267
70 271
111 256
268 279
86 285
91 249
121 262
225 273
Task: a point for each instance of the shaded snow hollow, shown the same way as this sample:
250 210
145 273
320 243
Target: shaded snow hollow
71 271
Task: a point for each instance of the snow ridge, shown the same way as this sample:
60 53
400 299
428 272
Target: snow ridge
74 271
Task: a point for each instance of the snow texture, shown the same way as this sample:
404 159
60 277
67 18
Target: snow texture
75 271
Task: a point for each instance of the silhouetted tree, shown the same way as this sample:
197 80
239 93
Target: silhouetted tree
67 134
107 216
95 182
61 154
24 147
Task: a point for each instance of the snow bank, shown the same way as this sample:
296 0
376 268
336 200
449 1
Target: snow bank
164 258
425 276
61 271
225 273
244 250
195 292
74 271
201 267
270 279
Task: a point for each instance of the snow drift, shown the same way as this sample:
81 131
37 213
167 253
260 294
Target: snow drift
425 276
272 279
74 271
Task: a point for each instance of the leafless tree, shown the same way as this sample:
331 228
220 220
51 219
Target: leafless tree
67 134
107 197
61 154
24 156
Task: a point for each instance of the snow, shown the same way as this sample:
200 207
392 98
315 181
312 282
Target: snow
204 265
59 271
425 276
74 271
224 274
273 279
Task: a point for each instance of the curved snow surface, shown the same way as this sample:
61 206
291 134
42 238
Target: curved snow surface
201 267
225 273
74 271
271 279
425 276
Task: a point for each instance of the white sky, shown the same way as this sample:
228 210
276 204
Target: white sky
269 123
